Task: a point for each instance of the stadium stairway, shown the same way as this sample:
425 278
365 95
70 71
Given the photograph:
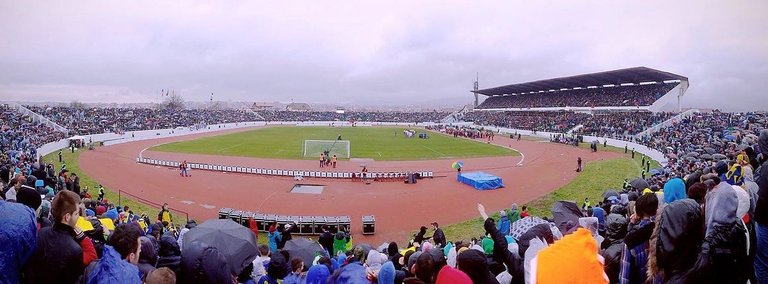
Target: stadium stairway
674 119
38 117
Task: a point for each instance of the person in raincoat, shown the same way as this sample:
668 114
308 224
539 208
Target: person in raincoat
513 214
274 238
18 232
504 223
120 258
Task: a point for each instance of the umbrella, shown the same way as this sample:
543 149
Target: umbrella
692 159
304 248
752 136
742 147
609 193
710 150
699 150
672 155
457 165
236 242
522 226
692 154
655 172
639 183
718 157
566 215
706 157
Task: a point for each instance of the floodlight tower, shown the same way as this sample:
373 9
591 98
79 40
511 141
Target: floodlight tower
476 87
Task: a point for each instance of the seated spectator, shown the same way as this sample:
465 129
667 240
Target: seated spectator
161 275
201 263
169 254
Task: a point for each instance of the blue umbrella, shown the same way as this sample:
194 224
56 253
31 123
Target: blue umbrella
729 137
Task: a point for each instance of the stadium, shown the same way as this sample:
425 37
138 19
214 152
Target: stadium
263 166
345 146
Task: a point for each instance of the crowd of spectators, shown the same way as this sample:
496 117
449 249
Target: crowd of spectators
96 120
634 95
368 116
621 125
529 120
701 219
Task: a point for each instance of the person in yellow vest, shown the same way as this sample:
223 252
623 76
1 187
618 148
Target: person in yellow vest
165 215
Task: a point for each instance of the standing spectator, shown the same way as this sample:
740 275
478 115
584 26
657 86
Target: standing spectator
59 255
438 236
147 257
634 257
274 238
513 214
326 239
612 245
761 211
169 254
165 215
504 223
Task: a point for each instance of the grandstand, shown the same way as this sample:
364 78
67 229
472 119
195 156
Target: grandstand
638 88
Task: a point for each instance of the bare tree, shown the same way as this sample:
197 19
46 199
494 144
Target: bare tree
173 101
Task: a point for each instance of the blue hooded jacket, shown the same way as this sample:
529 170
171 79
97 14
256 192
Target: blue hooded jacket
113 269
674 189
18 236
350 273
504 224
318 274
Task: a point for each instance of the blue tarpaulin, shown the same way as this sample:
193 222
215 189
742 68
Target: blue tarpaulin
481 180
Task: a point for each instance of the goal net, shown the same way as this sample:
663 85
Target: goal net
313 148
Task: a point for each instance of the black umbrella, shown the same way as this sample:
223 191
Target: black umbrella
693 154
639 184
304 248
692 159
710 150
609 193
566 215
706 156
719 157
235 242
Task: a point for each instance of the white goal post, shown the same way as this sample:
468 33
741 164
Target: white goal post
340 148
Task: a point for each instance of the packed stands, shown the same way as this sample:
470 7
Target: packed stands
94 120
621 125
635 95
528 120
372 116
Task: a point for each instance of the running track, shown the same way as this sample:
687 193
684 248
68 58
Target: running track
399 208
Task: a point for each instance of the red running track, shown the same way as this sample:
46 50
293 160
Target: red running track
399 208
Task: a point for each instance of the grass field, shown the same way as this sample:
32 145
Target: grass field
378 143
597 177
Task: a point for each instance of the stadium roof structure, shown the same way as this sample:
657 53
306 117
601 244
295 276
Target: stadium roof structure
633 75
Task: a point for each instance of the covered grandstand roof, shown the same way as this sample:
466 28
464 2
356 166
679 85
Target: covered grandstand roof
616 77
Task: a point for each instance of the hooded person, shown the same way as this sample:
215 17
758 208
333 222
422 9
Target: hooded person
202 263
504 223
513 214
675 242
419 238
475 265
169 254
119 259
449 275
353 272
394 255
147 258
274 238
18 235
724 245
761 210
616 229
340 242
674 190
573 259
318 274
386 273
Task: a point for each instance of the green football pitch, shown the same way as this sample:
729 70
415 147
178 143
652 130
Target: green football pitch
378 143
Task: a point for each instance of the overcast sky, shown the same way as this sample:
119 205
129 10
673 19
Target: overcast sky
371 52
